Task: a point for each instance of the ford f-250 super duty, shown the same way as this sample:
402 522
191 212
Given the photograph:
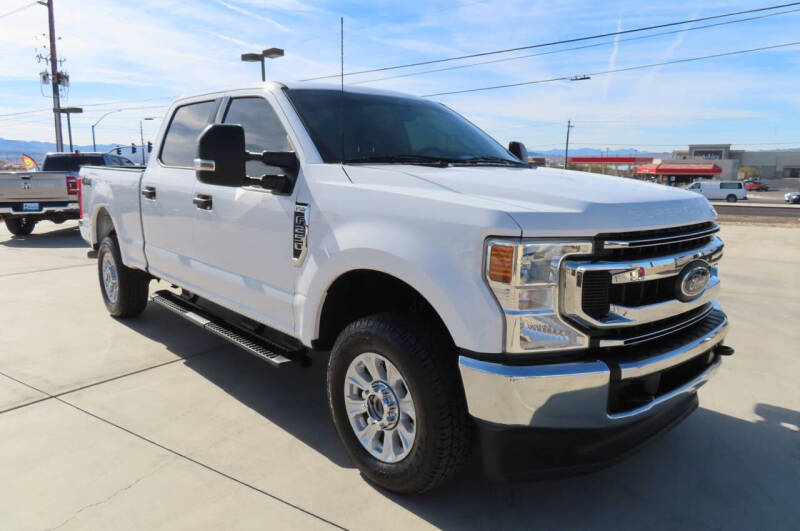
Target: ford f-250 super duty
562 317
31 196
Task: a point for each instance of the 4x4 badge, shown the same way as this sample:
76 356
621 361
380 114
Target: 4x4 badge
300 233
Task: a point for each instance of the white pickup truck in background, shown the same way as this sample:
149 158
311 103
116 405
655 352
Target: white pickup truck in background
27 197
563 317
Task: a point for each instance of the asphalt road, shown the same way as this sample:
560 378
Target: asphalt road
752 209
151 424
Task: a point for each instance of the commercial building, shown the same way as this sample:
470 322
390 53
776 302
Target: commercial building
769 164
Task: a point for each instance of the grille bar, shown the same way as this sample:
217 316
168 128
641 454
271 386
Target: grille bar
661 240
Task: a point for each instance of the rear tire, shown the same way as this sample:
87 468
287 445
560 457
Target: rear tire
124 290
423 359
731 198
20 226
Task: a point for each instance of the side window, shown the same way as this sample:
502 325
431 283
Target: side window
180 142
731 186
263 130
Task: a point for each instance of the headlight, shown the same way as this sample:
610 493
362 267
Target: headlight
524 277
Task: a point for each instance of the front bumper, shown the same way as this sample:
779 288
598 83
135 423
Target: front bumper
617 387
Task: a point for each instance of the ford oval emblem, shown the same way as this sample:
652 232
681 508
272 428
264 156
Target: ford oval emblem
692 280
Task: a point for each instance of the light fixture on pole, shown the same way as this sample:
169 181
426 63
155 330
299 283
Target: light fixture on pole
141 133
68 111
270 53
94 145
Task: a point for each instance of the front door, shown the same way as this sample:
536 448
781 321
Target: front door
243 239
167 190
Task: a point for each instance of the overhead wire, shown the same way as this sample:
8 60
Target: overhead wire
562 50
615 70
563 41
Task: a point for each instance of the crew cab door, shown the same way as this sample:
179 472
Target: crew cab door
167 190
243 236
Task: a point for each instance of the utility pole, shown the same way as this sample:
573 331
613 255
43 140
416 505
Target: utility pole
54 75
566 147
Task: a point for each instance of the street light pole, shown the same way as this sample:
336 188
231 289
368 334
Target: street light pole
68 111
94 145
141 134
270 53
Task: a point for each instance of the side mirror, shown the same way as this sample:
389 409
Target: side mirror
221 155
519 150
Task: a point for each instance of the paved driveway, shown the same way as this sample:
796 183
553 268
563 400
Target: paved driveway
150 423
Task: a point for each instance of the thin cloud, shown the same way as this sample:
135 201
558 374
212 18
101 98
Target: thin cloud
251 14
612 60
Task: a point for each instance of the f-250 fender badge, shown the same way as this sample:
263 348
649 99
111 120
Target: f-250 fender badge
300 233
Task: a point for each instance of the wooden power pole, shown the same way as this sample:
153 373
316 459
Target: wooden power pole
566 147
55 77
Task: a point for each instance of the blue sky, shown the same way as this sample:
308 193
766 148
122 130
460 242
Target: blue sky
145 50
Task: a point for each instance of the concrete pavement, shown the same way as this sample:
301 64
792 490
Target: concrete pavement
150 423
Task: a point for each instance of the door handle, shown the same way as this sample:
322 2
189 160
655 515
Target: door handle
149 192
202 201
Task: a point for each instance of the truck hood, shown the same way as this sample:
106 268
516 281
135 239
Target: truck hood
550 201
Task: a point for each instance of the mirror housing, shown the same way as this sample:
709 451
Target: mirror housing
519 150
221 155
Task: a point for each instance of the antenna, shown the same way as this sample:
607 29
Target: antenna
341 77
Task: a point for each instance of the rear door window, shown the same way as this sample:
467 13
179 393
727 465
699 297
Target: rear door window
180 143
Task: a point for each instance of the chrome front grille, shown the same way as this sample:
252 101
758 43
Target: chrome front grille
625 294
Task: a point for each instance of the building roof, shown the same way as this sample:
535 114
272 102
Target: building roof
679 168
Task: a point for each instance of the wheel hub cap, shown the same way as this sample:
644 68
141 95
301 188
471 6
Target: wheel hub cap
380 407
110 282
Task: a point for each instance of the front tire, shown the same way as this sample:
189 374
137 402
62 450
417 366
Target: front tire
397 402
731 198
124 290
20 226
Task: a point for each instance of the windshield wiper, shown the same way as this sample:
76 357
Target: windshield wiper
401 159
491 160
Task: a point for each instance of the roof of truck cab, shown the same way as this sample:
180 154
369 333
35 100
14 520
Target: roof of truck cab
296 85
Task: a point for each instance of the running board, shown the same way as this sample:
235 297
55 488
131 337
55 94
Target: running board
254 345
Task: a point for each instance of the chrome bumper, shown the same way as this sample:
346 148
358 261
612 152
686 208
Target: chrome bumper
575 395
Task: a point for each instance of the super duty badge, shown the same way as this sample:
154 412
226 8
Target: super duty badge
300 233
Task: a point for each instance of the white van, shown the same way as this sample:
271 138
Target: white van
730 191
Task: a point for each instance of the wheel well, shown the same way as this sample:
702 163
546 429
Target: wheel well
364 292
103 225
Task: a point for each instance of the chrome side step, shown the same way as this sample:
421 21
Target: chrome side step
252 344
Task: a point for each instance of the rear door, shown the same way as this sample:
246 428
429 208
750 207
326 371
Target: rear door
244 240
167 189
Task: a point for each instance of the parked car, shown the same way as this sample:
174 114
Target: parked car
756 186
792 197
730 191
455 286
28 197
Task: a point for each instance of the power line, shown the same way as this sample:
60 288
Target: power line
565 41
48 109
627 69
562 50
13 11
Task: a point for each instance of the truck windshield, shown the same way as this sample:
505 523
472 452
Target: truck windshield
71 163
392 129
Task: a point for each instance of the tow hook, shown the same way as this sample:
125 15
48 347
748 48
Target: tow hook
724 350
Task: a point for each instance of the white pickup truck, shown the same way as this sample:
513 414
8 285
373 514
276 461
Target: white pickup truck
27 197
560 318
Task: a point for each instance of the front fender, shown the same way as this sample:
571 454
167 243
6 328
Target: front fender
448 276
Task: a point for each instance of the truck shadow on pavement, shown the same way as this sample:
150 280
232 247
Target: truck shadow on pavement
712 471
68 237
